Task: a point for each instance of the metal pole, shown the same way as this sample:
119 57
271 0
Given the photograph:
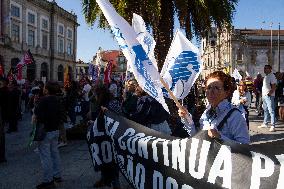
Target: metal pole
271 43
279 47
1 18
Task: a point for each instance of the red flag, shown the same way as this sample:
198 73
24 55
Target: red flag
107 73
20 73
10 75
1 70
28 58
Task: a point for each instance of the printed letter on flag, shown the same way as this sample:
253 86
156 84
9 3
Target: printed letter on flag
143 69
182 66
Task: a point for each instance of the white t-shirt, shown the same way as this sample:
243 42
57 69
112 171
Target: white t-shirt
237 97
268 80
86 90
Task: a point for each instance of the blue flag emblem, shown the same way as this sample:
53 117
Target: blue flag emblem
139 59
182 69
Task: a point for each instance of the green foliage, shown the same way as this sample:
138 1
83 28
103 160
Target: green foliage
195 17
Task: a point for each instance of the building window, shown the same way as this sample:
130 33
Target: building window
69 34
60 45
14 62
69 47
70 72
44 72
31 72
60 71
240 55
16 32
31 38
31 18
60 29
15 11
45 24
44 40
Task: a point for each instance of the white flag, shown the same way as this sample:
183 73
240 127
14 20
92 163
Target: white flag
144 37
247 74
237 75
143 69
182 66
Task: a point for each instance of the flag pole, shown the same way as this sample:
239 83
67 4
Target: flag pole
171 93
125 82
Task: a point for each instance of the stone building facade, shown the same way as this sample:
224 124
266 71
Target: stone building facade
247 50
116 57
49 31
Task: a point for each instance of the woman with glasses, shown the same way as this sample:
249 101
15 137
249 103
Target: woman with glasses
221 119
242 99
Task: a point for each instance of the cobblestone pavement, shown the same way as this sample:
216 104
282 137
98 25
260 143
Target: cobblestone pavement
22 171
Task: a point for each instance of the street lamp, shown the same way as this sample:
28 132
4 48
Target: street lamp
271 42
279 47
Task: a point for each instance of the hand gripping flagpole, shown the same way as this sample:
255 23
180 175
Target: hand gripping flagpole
171 93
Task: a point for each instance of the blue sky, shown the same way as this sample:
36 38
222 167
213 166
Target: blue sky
249 14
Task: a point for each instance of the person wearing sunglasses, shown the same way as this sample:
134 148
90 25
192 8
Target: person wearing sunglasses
221 119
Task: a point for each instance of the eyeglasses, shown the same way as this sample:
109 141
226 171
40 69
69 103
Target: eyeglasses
213 88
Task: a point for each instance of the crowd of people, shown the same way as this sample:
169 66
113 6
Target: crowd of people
224 116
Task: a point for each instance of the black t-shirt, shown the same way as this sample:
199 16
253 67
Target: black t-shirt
149 111
49 112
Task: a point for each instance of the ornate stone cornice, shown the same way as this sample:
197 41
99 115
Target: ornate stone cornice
53 7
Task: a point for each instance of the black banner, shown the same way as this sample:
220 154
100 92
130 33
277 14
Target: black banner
149 159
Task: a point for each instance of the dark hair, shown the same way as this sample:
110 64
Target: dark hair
14 82
74 85
52 87
132 80
4 80
267 65
225 78
104 96
40 84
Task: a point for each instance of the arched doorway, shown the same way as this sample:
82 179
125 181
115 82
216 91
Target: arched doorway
44 72
70 72
60 73
2 69
14 62
31 72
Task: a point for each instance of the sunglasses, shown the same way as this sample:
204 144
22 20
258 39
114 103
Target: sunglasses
213 88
